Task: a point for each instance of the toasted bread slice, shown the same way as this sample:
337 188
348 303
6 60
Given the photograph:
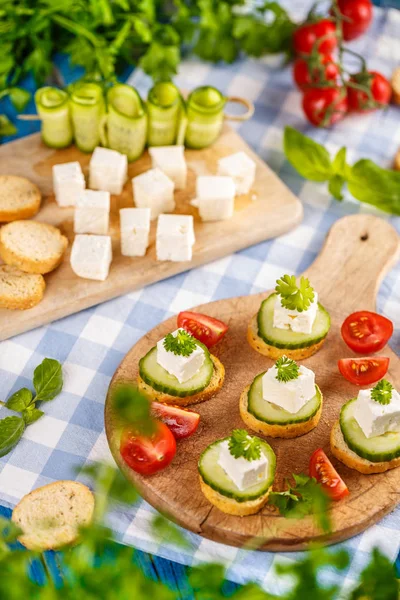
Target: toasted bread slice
32 246
397 161
213 387
396 85
19 198
232 506
50 517
292 430
343 453
19 290
274 353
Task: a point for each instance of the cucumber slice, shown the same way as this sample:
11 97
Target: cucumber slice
285 338
159 379
87 111
53 108
381 448
126 121
275 415
205 116
214 475
164 106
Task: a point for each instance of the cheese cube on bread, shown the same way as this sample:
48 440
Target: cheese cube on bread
92 212
291 395
175 237
91 256
181 367
244 473
215 197
154 190
135 228
68 183
171 161
241 168
108 170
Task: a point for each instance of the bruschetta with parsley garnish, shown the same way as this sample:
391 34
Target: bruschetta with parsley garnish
367 436
237 473
282 402
180 370
290 321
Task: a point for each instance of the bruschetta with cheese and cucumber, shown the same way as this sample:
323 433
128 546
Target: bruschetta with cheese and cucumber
367 435
180 370
290 321
282 402
237 473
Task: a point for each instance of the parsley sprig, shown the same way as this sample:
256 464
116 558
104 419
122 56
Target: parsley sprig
382 392
241 444
293 296
181 344
287 369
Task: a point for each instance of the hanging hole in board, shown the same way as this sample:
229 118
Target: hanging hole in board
364 237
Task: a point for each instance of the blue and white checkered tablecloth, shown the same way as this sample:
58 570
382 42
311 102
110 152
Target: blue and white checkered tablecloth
92 343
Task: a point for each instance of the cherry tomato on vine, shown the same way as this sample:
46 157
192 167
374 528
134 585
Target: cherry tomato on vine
324 106
325 473
364 371
358 16
306 36
322 68
381 91
366 332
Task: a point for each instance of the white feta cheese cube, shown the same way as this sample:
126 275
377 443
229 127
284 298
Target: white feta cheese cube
301 322
291 395
108 170
175 237
375 418
92 212
241 168
181 367
215 197
91 256
244 473
68 183
135 229
171 161
154 190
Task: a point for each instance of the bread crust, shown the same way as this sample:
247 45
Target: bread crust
213 388
274 353
396 85
28 193
231 506
349 458
291 430
24 301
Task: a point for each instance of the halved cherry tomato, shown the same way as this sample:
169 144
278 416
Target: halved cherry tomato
366 332
324 106
181 421
357 17
325 473
206 329
364 371
379 86
305 37
309 72
148 454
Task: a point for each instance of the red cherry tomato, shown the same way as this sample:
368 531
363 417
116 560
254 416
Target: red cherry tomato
380 87
366 332
324 106
364 371
181 421
206 329
358 16
148 454
306 73
306 36
325 473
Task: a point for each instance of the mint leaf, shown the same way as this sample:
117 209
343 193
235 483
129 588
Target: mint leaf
11 430
19 400
47 380
335 186
30 415
373 185
309 158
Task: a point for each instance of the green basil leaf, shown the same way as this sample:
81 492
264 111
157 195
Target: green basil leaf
6 127
30 415
11 430
339 164
20 400
47 380
19 98
373 185
335 186
309 158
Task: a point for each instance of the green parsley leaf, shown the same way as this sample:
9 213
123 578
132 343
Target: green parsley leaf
132 407
287 369
382 392
293 296
241 444
6 127
378 580
181 344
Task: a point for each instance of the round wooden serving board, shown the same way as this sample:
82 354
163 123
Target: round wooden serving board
358 252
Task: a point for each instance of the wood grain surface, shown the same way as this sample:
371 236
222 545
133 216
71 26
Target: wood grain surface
358 251
269 210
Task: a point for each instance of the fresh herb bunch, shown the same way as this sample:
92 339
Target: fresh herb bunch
48 382
241 444
181 344
382 392
287 369
293 296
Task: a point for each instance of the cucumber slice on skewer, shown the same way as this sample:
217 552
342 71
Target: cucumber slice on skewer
205 115
126 121
164 107
87 111
53 108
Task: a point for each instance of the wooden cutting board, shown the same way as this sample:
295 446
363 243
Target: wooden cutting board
269 210
358 251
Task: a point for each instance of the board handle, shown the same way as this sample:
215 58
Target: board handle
358 252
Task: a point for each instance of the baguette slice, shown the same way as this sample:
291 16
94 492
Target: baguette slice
397 161
50 517
19 198
19 290
32 246
213 388
230 505
396 85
